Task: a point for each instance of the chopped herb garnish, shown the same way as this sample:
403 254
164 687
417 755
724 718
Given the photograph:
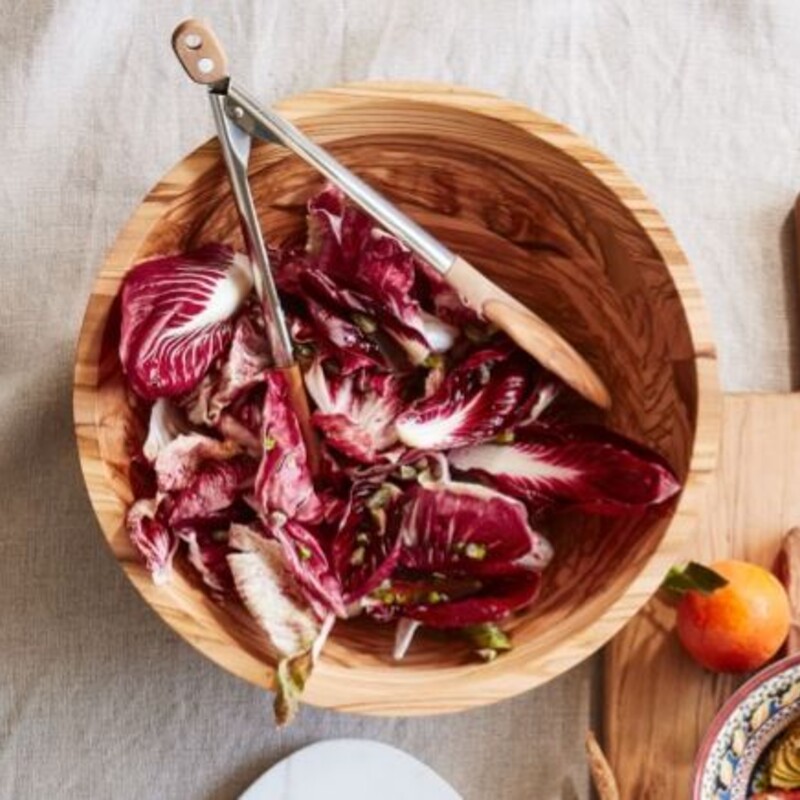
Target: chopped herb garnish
476 551
304 351
405 472
381 497
487 635
366 323
304 552
433 361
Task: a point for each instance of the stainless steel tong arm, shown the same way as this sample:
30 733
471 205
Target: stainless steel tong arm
265 123
204 60
235 144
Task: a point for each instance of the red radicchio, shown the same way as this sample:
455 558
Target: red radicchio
469 554
476 401
213 489
347 246
269 591
352 348
166 423
432 287
356 412
489 601
208 550
153 540
308 563
583 466
176 318
266 586
469 529
284 482
244 368
179 462
366 548
418 336
547 389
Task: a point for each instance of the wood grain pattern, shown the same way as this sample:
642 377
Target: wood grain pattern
528 330
560 228
789 573
658 702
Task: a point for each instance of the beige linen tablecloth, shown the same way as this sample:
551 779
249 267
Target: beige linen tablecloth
698 101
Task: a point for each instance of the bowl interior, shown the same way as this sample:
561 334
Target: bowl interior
542 226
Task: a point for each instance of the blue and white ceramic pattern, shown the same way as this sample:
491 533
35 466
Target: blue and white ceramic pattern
743 729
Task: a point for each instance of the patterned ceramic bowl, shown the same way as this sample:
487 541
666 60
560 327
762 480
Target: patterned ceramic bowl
728 765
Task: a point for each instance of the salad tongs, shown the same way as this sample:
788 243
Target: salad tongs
239 118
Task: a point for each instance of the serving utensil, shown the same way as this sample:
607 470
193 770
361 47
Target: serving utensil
236 143
238 116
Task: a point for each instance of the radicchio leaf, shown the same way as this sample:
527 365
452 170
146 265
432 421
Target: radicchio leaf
245 366
366 548
547 389
233 429
166 423
436 293
153 540
176 318
469 529
420 335
284 482
291 677
214 488
308 563
468 556
476 401
351 346
379 271
208 552
267 586
494 601
582 466
178 463
403 636
356 412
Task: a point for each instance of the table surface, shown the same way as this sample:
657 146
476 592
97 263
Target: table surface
698 101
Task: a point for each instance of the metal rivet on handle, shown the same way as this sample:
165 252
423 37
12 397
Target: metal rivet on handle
205 65
193 41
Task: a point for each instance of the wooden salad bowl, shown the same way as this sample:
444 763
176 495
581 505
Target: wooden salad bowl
553 222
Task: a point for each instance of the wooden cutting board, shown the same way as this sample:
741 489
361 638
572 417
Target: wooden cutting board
657 702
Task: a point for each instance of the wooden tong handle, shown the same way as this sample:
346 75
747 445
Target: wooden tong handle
200 52
528 330
298 399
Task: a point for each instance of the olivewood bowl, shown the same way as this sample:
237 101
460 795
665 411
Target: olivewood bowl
553 222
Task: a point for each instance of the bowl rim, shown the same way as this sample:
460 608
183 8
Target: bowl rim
728 709
490 683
